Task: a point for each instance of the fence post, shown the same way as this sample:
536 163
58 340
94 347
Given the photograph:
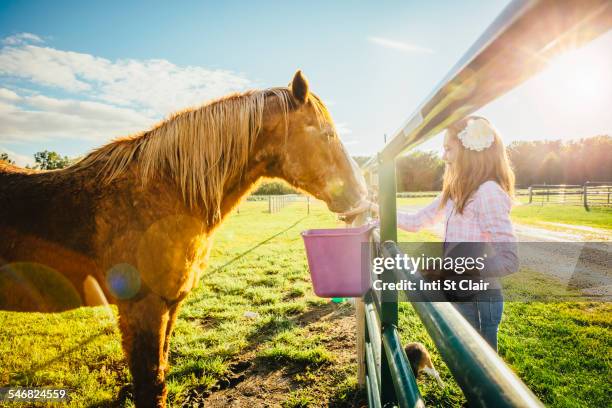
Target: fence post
563 192
388 232
308 201
584 195
360 318
530 194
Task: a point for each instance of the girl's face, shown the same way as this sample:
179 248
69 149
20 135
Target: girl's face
451 149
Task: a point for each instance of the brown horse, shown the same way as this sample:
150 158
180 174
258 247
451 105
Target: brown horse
132 221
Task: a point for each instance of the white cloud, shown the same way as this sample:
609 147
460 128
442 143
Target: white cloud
8 95
152 84
398 45
22 38
41 117
110 98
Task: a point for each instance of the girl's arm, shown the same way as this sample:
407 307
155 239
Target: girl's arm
409 222
494 205
423 218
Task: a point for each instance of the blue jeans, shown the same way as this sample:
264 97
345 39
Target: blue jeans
484 312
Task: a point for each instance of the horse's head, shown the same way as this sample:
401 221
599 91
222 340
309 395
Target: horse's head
309 153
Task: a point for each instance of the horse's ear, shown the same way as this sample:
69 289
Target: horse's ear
299 87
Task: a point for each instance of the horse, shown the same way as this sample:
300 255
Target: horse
132 221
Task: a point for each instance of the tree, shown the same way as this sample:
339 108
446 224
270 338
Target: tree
274 188
419 171
551 169
556 162
47 160
5 157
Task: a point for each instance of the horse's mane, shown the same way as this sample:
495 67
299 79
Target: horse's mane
198 148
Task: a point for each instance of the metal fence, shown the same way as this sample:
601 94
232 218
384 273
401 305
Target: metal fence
515 47
571 194
591 194
597 194
278 202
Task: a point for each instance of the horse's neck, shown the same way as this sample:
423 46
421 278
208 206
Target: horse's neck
236 188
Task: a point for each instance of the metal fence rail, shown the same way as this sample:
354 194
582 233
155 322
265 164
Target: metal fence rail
482 375
591 194
278 202
516 46
556 194
597 194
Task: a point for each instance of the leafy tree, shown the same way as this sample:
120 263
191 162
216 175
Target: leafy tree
551 170
556 162
419 171
5 157
48 160
274 188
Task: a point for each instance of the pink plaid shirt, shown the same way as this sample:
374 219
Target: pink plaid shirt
485 218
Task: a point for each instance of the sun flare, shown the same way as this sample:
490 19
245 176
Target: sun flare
578 79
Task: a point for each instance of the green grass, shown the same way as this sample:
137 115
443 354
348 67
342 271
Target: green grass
79 350
561 350
539 215
257 265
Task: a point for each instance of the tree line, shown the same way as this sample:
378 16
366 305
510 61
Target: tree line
536 162
45 160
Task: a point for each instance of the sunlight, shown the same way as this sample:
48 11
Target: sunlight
578 80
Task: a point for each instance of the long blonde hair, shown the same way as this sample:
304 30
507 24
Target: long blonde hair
472 168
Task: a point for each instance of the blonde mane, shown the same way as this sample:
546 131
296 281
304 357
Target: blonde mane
198 148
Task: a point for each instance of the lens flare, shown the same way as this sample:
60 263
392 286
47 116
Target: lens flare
30 286
123 281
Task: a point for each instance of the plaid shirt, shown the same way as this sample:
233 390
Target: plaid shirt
485 218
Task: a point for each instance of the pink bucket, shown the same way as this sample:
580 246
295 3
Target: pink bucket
335 260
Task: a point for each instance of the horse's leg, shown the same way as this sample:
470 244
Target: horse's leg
143 327
173 313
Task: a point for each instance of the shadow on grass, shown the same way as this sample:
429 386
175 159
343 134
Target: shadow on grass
124 394
24 376
349 395
244 366
241 368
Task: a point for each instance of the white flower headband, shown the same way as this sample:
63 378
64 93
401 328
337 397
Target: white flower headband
477 135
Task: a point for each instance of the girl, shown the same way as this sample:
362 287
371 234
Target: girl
475 202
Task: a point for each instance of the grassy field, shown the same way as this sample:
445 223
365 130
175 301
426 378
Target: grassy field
253 333
543 215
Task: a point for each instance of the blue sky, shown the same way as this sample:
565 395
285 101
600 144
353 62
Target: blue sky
74 75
